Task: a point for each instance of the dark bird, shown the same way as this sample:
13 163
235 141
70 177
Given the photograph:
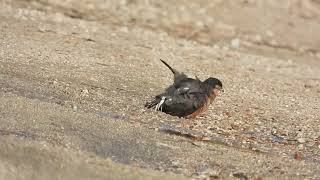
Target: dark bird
186 97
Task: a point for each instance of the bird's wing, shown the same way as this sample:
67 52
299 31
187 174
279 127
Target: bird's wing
188 86
184 104
186 98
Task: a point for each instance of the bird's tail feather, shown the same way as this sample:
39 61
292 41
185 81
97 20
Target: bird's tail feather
172 70
157 104
152 104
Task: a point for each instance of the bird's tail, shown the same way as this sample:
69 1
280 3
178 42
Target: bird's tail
157 104
173 70
152 104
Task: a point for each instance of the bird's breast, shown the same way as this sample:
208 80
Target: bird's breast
202 108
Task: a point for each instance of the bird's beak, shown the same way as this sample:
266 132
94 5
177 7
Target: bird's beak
220 89
217 90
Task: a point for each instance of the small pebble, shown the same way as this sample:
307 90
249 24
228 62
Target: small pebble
258 38
85 92
74 108
300 146
176 164
55 82
235 43
301 140
124 29
269 33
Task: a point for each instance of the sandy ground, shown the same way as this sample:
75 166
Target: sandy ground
74 76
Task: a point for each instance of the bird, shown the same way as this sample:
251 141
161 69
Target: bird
186 97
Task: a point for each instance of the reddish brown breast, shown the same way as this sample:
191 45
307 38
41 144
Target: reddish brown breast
203 107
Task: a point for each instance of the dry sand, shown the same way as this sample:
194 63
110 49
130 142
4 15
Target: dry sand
74 76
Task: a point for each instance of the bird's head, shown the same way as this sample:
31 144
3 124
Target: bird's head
215 84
